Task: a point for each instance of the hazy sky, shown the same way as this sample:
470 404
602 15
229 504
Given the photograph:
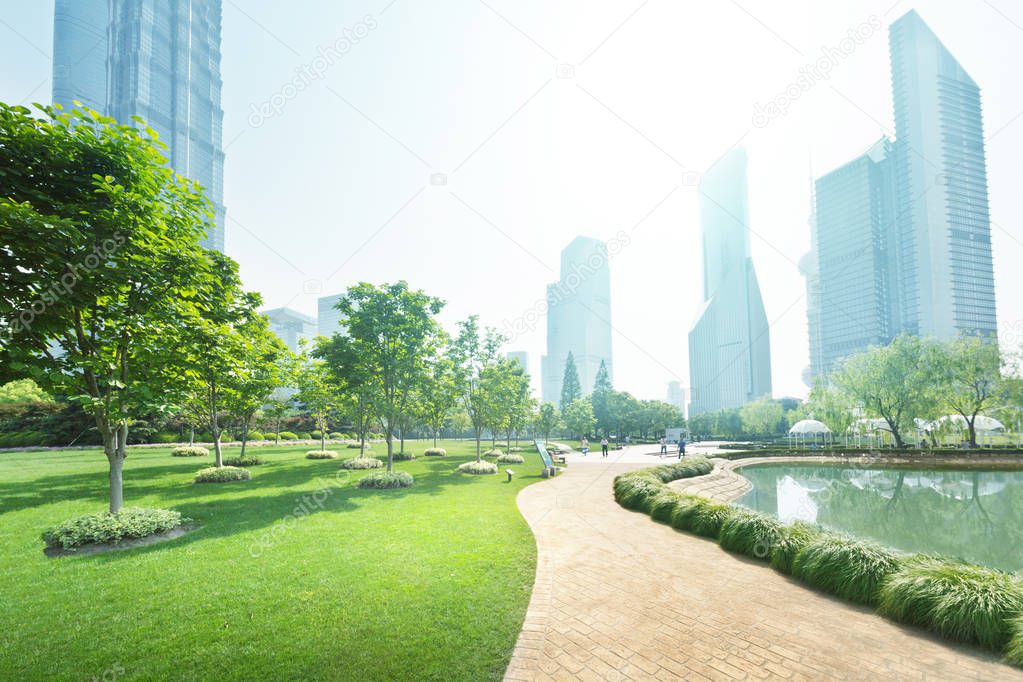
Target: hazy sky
546 120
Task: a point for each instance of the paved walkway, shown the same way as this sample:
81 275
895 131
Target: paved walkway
618 596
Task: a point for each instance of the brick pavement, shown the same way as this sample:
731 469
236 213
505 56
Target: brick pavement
618 596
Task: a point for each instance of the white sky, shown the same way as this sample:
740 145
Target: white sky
336 187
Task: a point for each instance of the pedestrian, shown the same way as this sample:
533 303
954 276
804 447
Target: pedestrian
681 447
664 446
603 446
585 446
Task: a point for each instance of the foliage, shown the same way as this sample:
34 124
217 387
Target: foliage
474 354
222 474
287 435
190 451
321 454
129 523
578 416
478 467
383 480
750 533
493 453
547 420
1014 652
403 457
967 378
849 568
318 395
960 601
435 452
243 461
763 416
600 399
791 540
23 391
438 395
362 463
510 459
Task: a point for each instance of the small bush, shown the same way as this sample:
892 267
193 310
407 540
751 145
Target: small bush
129 523
385 480
663 505
960 601
493 453
434 452
256 435
222 475
516 448
288 435
750 533
356 446
403 456
190 451
478 468
321 454
305 435
682 514
337 436
165 437
246 461
791 540
362 463
1014 652
510 458
709 517
315 435
845 567
636 490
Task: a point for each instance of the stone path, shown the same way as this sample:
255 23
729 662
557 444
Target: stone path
618 596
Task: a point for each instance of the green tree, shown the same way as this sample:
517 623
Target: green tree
579 418
265 365
761 417
316 393
277 408
967 378
623 412
438 396
23 391
571 389
829 405
547 420
602 390
475 355
99 258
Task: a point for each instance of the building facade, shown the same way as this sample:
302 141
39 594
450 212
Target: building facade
328 317
159 61
676 395
291 326
729 345
521 357
578 317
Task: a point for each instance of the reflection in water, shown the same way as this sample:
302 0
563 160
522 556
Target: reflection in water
973 515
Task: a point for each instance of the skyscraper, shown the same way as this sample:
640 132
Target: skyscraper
159 61
328 317
578 317
291 326
945 273
903 236
729 345
676 395
521 357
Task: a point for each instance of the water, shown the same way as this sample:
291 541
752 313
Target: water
972 515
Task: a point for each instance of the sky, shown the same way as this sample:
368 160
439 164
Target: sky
460 145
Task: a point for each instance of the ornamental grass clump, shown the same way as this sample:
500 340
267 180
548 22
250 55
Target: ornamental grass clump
434 452
321 454
362 463
478 468
634 491
493 453
792 539
129 523
845 567
223 474
663 505
750 533
403 457
708 517
960 601
1014 652
510 458
190 451
246 461
385 480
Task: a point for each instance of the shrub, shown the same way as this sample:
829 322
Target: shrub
362 463
750 533
305 435
403 456
385 480
190 451
337 436
165 437
130 522
288 435
315 435
510 458
222 475
1014 652
256 435
321 454
791 540
709 517
246 461
681 515
516 448
356 446
635 491
493 453
663 505
960 601
845 567
434 452
478 468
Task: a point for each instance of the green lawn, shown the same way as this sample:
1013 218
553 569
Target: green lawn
431 582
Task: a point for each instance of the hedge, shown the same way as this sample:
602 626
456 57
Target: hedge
478 468
246 461
510 458
287 435
434 452
321 454
222 475
382 480
129 523
362 463
190 451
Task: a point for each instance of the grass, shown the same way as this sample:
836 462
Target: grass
960 601
792 539
296 574
849 568
750 533
1014 652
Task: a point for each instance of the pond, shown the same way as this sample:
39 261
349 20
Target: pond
975 515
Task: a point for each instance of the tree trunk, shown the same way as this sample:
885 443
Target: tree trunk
390 448
323 438
116 482
277 432
215 428
435 438
362 444
191 436
479 433
401 434
972 424
245 438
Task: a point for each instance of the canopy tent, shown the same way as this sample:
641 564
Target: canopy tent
809 430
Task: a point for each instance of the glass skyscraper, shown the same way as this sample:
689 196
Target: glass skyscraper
156 60
903 235
578 317
729 346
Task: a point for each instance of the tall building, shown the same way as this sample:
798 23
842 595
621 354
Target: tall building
327 315
945 273
676 395
291 326
521 357
729 345
159 61
578 317
903 235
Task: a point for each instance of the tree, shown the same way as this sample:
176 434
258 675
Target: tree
600 398
23 391
830 406
277 408
571 389
547 420
266 364
762 416
623 412
100 267
316 393
391 333
889 382
474 354
968 378
438 396
579 418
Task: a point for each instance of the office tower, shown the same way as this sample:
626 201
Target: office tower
578 317
946 277
159 61
729 346
676 395
809 267
328 317
291 326
521 357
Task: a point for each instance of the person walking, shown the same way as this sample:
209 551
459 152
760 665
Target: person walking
681 447
664 446
584 446
603 446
